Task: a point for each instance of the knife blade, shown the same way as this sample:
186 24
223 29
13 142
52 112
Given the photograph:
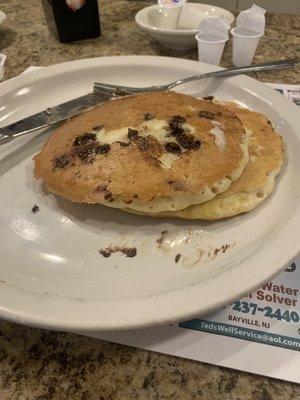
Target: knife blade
52 115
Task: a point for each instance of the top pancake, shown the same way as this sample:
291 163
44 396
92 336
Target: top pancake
132 151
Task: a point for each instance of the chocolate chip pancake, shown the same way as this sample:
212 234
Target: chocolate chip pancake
256 182
152 152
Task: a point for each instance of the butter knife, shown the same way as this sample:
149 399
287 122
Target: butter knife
52 115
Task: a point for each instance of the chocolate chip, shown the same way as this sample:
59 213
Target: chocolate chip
132 134
101 188
206 114
196 145
108 195
61 161
86 153
209 98
186 140
84 147
105 252
172 147
177 120
84 139
177 258
145 143
102 149
148 116
35 209
129 251
175 123
176 131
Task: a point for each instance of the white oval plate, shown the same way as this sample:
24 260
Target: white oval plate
51 273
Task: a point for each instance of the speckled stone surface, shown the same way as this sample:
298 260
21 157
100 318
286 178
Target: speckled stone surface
42 365
26 40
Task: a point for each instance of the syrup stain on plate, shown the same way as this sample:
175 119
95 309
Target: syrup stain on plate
188 248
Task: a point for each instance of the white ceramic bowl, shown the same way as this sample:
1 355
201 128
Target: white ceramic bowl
149 19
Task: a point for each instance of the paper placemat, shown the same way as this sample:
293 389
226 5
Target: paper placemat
259 333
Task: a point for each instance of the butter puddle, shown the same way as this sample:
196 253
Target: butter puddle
158 128
219 135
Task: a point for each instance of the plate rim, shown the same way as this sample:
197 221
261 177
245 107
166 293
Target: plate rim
221 295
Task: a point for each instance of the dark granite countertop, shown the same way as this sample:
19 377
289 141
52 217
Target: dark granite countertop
38 364
26 40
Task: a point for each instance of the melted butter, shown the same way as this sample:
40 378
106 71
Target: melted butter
219 135
112 136
158 128
155 127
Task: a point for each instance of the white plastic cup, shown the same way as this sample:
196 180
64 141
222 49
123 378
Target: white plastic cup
210 49
244 45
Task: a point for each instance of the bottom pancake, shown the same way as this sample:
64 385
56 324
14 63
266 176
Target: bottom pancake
256 182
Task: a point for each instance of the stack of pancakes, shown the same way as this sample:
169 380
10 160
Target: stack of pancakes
164 154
